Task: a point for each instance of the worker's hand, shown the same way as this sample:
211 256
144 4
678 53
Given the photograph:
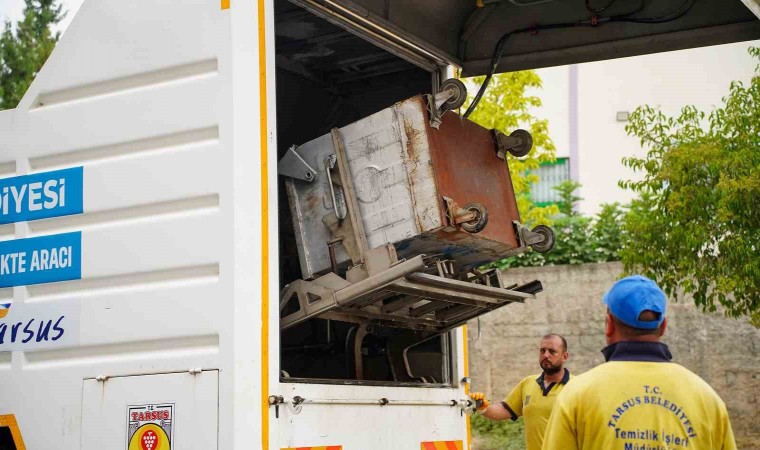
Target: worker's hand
481 402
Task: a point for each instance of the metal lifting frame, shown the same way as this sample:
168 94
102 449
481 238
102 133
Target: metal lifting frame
399 294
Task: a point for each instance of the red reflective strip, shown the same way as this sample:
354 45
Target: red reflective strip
428 446
321 447
451 445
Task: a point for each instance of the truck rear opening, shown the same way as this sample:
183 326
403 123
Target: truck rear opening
386 219
329 77
389 202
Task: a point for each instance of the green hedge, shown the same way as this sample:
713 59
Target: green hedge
497 435
578 239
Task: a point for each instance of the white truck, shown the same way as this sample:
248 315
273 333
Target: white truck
144 244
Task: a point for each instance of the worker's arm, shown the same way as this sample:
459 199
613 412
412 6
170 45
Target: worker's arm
510 408
495 411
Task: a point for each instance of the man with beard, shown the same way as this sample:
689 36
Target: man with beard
533 398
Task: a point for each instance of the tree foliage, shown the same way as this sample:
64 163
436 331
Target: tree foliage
24 50
578 239
506 106
695 227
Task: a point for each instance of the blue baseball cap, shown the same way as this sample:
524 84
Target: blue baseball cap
631 296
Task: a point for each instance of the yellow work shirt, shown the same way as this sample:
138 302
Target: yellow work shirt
534 401
639 400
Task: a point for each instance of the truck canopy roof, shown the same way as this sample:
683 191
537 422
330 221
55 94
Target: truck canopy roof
549 32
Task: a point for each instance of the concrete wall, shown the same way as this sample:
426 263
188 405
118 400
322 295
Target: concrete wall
725 352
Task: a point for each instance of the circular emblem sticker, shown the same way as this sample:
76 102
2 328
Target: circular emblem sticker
149 437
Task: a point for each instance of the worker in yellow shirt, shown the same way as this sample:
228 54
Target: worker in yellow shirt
638 399
533 398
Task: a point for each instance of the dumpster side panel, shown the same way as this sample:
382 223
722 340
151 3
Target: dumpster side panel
378 167
309 202
419 165
376 159
468 170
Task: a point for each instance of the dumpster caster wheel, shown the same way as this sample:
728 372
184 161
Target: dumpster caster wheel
547 243
480 221
458 91
526 145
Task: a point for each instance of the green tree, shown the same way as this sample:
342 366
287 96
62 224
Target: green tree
695 227
568 197
572 230
607 233
579 239
24 50
506 106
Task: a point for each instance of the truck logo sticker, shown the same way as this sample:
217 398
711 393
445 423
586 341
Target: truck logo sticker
150 427
35 326
4 308
41 195
44 259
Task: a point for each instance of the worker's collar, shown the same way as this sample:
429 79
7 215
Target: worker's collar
546 389
637 351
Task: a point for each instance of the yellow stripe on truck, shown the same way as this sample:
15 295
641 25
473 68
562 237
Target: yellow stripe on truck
9 421
467 385
264 149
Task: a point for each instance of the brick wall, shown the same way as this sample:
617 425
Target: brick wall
725 352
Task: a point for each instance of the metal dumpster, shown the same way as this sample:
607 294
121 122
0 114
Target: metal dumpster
413 182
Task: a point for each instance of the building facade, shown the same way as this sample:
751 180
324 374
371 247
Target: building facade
587 106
